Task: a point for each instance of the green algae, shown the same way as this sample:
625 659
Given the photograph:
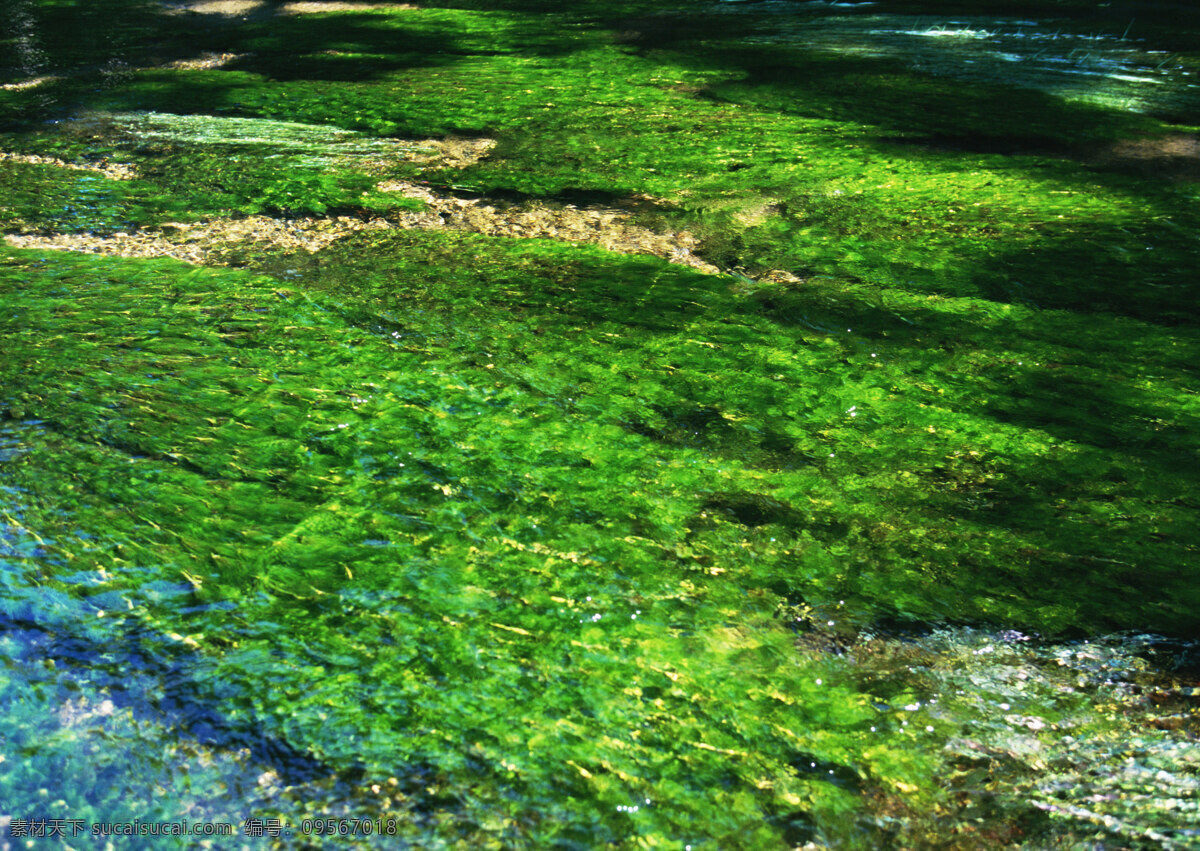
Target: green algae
490 494
508 540
57 200
818 420
192 168
372 497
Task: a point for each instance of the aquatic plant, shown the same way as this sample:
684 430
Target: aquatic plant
522 543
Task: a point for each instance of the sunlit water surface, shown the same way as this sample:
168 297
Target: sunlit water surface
1116 69
85 705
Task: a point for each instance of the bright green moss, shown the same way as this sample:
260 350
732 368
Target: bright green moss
507 540
374 486
457 455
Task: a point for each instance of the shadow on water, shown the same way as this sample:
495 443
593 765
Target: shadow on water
1006 125
1132 270
344 47
55 38
1102 410
1089 516
1075 521
884 93
90 645
104 705
137 671
614 366
70 55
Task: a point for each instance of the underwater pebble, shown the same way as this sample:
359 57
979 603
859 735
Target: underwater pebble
208 242
113 171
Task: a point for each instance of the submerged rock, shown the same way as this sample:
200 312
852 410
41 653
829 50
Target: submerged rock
1099 735
111 170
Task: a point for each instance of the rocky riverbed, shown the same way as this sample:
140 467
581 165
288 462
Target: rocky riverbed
211 241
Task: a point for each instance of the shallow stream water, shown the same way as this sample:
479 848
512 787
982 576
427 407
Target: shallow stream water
315 510
1116 69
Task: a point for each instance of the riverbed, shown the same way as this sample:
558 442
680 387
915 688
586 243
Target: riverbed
467 425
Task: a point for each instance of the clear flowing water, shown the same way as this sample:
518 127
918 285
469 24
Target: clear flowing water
500 539
1114 69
